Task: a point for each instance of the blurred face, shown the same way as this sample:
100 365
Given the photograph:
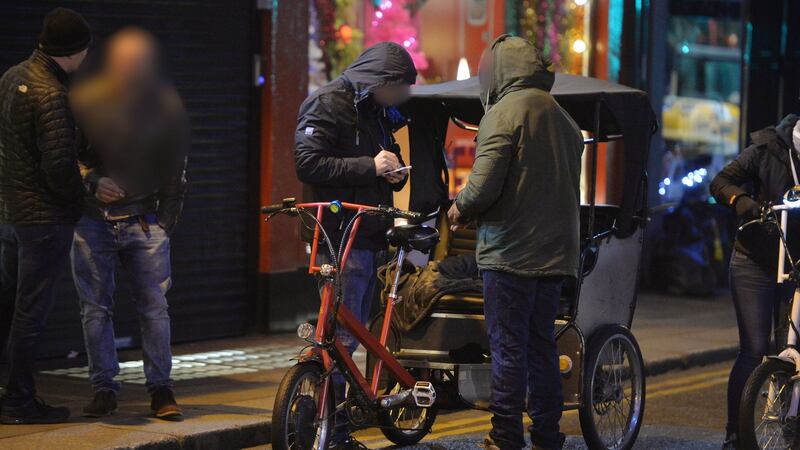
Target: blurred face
132 57
392 95
71 63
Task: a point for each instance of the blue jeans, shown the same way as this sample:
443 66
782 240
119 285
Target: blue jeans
520 317
760 302
32 258
145 257
358 289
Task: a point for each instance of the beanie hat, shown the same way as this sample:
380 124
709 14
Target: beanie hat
64 33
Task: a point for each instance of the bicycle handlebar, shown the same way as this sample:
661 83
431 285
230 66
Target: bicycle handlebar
289 205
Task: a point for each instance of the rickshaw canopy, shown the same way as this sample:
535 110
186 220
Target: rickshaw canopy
607 110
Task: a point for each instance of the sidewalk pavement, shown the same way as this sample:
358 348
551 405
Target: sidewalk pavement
227 387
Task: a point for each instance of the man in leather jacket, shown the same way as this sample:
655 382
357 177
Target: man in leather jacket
134 166
40 197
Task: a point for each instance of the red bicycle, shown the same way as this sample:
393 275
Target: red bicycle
401 403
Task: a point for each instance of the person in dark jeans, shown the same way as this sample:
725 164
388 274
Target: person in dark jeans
524 192
40 197
344 148
763 172
134 167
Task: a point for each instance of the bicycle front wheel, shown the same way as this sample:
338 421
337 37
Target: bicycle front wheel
765 403
294 417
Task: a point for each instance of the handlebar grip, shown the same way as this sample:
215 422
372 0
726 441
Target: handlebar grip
269 209
277 207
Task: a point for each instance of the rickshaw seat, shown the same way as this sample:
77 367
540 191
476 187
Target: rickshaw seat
463 241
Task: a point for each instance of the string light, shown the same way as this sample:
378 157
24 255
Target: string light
579 46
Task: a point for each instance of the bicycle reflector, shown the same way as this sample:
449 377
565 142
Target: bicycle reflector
335 206
564 364
305 331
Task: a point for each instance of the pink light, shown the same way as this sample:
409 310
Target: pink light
379 14
386 5
407 43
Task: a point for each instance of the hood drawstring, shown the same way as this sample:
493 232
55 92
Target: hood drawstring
355 105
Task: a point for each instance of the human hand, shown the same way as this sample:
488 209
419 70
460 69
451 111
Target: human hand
386 161
108 191
395 177
747 208
455 217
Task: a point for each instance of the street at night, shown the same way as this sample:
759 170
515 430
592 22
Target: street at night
399 224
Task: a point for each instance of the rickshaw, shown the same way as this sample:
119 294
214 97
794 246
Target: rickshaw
412 374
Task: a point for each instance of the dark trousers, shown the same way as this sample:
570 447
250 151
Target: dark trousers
759 302
33 259
520 319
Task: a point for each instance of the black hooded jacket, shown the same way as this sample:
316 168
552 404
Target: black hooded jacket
340 130
762 171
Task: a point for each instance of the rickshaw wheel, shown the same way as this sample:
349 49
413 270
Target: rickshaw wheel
763 423
613 390
404 425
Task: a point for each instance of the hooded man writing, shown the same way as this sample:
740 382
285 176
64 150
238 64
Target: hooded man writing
524 192
344 149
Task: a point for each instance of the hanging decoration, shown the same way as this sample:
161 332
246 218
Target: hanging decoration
339 41
555 26
392 20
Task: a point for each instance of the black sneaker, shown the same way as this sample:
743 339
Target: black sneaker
35 411
103 404
164 405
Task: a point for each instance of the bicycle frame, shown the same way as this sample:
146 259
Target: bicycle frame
345 318
790 353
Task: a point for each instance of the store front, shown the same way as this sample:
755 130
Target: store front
446 39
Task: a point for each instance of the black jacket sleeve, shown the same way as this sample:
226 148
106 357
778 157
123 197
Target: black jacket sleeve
727 185
171 193
57 144
315 153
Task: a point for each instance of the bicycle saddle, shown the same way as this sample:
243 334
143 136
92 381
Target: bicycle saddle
417 237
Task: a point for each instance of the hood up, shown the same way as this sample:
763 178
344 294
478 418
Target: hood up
517 65
782 131
382 64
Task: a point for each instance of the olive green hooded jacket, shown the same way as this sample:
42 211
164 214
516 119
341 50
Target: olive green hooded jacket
524 189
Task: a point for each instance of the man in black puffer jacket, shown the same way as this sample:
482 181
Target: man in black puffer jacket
343 150
40 196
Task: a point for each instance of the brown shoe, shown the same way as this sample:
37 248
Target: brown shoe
489 444
164 405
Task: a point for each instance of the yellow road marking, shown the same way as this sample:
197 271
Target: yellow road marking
688 379
657 390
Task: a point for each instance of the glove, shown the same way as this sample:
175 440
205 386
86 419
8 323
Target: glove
747 208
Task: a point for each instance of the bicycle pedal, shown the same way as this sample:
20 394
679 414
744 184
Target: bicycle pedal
424 394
